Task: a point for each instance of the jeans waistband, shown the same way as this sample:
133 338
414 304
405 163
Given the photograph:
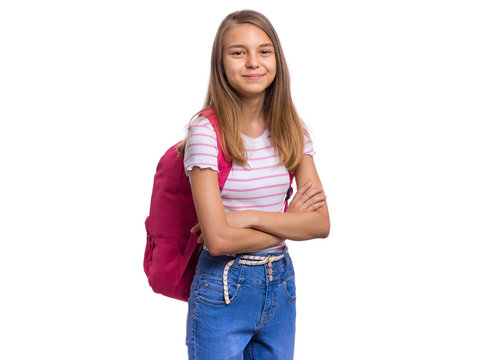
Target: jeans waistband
252 260
283 249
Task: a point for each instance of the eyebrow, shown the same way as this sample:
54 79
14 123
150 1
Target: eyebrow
243 46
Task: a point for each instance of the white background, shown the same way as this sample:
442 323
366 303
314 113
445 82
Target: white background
405 103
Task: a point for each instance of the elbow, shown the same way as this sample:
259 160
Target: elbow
215 251
325 233
324 230
321 234
215 246
321 225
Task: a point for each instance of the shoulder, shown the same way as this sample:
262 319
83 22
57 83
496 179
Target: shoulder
201 131
201 149
201 125
308 145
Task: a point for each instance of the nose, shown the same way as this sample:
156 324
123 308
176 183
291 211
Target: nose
252 61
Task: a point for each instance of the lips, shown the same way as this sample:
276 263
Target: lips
253 76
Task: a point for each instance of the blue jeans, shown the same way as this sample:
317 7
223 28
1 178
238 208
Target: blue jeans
258 323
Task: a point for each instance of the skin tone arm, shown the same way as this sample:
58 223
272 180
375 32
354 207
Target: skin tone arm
306 199
293 224
220 237
307 213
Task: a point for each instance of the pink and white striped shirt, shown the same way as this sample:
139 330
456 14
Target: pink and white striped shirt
260 186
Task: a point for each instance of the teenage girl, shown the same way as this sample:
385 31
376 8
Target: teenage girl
242 302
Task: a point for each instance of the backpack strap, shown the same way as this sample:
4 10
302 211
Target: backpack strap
223 164
291 176
289 191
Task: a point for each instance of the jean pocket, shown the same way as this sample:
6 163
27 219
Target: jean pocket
211 291
290 288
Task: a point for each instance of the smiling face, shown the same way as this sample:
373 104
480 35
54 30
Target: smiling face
248 60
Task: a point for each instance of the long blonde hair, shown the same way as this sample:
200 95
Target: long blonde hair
286 128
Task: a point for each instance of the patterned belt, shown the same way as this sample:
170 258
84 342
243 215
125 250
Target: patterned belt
246 260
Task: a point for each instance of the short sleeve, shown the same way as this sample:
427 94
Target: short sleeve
201 147
308 146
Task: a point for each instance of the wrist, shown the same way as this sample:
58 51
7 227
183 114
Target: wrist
254 218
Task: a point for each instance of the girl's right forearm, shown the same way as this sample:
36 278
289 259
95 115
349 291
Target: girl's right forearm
219 236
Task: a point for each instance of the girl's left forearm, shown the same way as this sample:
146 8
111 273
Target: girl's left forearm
307 216
292 225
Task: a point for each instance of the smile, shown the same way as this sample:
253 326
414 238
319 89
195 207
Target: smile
253 77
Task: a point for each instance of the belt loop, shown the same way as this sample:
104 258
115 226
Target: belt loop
236 262
285 262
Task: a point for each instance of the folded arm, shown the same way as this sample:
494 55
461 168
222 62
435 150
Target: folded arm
307 216
220 237
309 223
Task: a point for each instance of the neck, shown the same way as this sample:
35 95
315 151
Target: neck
253 114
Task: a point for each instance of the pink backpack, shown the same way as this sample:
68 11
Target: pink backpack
172 252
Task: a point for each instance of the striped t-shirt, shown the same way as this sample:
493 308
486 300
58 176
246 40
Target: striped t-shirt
262 185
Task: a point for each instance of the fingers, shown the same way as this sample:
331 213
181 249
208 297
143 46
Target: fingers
301 191
299 194
316 202
201 239
312 196
308 198
195 228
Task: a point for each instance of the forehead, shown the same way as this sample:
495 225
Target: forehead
247 35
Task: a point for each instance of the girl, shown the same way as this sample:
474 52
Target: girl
242 302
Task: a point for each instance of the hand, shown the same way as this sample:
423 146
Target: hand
195 230
307 199
238 219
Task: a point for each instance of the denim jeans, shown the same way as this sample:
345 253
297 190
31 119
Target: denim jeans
259 321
